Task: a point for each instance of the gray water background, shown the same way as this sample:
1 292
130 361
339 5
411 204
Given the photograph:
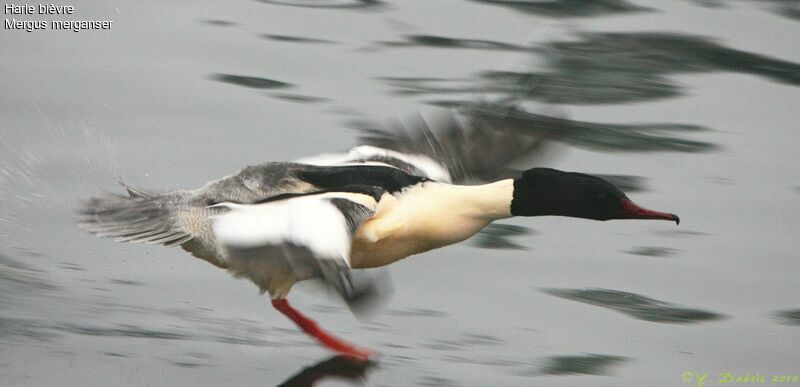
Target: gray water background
695 103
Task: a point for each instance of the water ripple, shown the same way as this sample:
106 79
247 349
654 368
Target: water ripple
594 135
652 251
415 312
586 364
497 236
219 22
568 8
789 317
602 68
121 330
636 306
295 39
251 82
785 8
445 42
297 98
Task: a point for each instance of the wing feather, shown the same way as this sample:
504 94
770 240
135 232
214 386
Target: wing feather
469 149
138 217
277 243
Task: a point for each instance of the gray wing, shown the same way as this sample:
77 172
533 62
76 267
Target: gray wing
472 149
138 217
175 218
184 217
278 243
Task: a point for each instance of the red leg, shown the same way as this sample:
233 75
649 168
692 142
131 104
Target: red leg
310 326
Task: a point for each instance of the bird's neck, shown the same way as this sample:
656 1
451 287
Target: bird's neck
492 200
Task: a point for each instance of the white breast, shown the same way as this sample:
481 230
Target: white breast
426 217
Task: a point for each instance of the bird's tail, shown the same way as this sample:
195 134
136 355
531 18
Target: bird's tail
138 217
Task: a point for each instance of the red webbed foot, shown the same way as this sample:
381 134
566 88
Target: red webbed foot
326 339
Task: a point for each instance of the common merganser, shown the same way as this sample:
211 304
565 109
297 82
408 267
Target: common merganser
282 222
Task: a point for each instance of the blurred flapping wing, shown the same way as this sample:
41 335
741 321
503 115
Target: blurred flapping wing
472 149
277 243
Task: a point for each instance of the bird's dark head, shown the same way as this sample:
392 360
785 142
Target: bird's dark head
544 191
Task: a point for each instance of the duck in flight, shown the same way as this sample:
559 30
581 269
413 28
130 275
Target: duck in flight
323 217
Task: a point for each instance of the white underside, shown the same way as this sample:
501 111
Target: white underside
418 219
426 217
310 221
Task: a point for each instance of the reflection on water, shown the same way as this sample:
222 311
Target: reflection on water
121 330
415 312
602 68
19 278
436 381
444 42
251 82
789 317
206 329
785 8
477 359
464 341
497 236
219 23
21 284
593 135
636 306
125 282
336 367
298 98
568 8
587 364
653 251
12 329
295 39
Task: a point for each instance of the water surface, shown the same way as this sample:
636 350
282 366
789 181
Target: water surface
691 106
